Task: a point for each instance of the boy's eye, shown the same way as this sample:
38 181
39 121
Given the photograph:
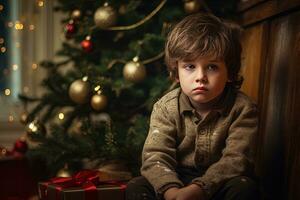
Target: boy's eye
212 67
189 67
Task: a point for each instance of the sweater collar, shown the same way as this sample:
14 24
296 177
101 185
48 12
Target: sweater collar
222 106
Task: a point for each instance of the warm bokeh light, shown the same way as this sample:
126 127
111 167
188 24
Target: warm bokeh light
7 92
3 49
97 88
40 3
15 67
10 24
1 40
61 116
31 27
34 66
18 25
10 118
1 7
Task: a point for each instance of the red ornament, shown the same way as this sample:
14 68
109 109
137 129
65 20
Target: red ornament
87 45
70 29
20 146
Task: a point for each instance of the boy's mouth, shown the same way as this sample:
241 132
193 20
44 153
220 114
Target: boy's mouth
200 89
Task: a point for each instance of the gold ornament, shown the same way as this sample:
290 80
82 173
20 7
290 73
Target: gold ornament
105 16
99 102
76 14
134 71
79 91
192 6
64 172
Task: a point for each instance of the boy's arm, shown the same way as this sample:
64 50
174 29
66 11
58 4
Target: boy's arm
237 156
159 153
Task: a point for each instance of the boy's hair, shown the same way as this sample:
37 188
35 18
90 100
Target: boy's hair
200 35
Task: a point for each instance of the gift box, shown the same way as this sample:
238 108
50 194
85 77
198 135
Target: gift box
76 187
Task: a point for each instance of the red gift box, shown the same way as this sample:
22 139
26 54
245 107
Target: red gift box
83 185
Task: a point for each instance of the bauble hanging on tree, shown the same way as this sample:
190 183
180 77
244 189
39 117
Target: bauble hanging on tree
64 172
192 6
70 29
134 71
86 44
79 91
99 102
20 146
105 16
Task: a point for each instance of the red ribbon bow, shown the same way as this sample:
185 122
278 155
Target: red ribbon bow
87 179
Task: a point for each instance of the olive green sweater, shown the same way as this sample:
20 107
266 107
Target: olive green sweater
214 149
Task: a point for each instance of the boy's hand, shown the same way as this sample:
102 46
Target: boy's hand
171 193
190 192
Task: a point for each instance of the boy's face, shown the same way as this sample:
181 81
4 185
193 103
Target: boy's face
202 79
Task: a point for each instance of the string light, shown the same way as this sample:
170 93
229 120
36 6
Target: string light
1 7
3 49
18 25
34 66
10 118
7 92
61 116
40 3
15 67
10 24
33 127
31 27
1 40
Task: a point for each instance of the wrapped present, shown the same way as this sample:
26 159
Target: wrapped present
83 185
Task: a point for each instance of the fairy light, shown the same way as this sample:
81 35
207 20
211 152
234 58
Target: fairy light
31 27
7 92
34 66
33 127
10 118
15 67
1 40
1 7
61 116
3 49
97 88
40 3
18 25
10 24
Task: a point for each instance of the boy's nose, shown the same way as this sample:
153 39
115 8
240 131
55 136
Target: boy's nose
201 76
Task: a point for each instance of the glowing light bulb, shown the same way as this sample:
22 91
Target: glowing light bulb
7 92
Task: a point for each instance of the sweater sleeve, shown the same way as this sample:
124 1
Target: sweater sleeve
237 156
159 152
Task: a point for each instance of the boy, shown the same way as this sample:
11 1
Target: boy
200 142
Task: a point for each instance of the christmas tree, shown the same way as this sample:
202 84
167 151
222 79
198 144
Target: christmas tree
99 110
